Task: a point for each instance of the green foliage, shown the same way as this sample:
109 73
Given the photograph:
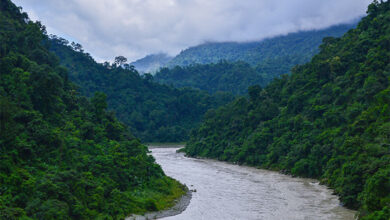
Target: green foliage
154 112
271 57
233 67
63 156
330 119
234 78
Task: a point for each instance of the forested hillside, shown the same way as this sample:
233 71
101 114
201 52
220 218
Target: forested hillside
233 67
271 57
63 156
329 119
223 76
154 112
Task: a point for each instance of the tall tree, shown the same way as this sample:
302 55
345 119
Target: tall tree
120 60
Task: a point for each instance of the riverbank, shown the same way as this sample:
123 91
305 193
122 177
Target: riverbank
228 191
178 208
165 145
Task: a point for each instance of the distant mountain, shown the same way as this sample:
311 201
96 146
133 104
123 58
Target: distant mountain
271 57
151 63
329 119
243 64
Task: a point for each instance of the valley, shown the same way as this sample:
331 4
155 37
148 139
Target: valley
292 126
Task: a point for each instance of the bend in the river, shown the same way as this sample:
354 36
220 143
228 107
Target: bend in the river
227 191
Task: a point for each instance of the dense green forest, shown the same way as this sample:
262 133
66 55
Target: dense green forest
223 76
63 156
154 112
271 57
329 119
233 67
151 63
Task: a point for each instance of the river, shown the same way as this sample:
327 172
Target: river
226 191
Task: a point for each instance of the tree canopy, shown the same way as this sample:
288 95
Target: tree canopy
120 60
154 112
270 57
63 156
329 119
223 76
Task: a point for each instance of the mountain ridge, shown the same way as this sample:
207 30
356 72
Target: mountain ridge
243 51
217 67
329 119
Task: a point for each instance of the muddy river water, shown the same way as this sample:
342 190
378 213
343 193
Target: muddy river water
226 191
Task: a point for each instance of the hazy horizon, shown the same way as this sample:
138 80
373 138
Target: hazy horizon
136 28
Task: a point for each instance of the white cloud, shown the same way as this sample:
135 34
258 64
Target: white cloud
135 28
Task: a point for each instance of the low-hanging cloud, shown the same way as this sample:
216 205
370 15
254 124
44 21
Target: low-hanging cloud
134 28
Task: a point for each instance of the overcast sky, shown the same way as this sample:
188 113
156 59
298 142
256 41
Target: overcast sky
135 28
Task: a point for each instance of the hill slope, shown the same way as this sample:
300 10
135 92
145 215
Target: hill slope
154 112
223 67
63 156
234 78
329 120
271 57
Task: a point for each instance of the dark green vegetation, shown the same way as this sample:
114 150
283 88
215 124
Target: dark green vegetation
330 119
63 156
151 63
234 78
154 112
244 64
271 57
